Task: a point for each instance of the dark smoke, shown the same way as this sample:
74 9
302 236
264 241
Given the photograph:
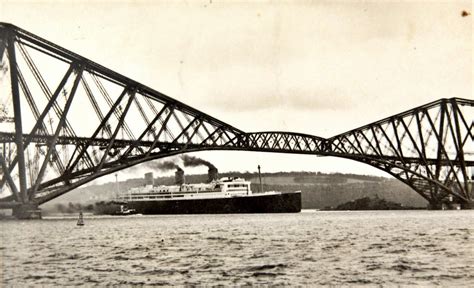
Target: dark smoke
188 161
159 165
164 166
191 161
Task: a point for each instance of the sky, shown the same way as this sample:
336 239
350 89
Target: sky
314 67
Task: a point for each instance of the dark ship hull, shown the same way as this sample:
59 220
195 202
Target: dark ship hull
264 203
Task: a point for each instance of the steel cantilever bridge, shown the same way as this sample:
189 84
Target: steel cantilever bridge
65 120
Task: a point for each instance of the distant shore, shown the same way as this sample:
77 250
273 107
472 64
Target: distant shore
368 203
323 191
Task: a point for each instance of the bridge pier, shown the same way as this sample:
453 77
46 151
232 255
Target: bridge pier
468 205
436 206
451 206
27 211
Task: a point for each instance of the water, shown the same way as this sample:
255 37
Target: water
318 248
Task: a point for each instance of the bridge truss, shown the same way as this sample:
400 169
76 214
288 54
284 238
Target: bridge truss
66 120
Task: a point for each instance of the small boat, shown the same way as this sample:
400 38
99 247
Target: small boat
80 221
124 211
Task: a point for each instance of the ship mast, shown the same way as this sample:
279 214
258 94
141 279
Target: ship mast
116 187
260 179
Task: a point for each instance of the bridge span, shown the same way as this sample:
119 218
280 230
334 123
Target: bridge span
66 120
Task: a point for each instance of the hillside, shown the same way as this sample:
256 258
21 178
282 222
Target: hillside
318 190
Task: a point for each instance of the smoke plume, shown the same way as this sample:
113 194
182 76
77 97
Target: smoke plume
177 163
163 166
192 161
167 165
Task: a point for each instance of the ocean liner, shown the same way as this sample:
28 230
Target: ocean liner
224 195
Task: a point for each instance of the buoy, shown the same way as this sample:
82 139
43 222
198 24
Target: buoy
80 221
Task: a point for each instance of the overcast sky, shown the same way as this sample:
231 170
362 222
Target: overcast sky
317 68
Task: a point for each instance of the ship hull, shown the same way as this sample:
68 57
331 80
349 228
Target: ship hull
274 203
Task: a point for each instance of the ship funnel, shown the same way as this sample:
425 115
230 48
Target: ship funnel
149 179
212 174
179 176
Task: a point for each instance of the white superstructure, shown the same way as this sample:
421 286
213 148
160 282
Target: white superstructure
222 188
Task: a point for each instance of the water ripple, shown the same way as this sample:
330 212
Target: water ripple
381 248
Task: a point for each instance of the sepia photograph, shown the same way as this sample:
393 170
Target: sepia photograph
236 143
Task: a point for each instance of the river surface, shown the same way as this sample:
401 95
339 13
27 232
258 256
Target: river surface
424 248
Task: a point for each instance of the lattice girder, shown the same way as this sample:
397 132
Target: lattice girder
66 120
434 141
84 118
